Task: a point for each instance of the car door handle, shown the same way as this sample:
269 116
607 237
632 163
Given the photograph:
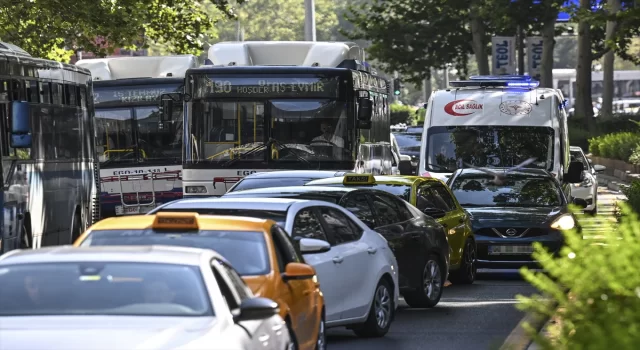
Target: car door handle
338 260
372 250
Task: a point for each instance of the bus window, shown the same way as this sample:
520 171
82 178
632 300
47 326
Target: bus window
114 134
161 141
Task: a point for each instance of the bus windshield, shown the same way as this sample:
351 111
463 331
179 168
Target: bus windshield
449 147
154 141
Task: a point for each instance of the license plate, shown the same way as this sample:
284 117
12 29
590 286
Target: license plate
120 210
510 249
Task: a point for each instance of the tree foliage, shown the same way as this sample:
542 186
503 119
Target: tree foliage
55 28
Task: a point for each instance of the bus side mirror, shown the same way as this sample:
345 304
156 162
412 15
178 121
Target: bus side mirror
20 125
575 173
365 109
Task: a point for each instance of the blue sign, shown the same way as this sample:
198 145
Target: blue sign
564 17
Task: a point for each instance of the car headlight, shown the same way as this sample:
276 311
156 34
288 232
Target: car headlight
564 222
587 182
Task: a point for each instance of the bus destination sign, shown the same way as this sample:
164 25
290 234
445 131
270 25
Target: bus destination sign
132 94
268 87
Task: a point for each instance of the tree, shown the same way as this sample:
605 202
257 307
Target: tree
55 28
278 20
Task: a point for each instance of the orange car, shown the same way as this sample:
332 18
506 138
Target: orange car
260 250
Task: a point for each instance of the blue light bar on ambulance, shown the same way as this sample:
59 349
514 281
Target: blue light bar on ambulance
517 81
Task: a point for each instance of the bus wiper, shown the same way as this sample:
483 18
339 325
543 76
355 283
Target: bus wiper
249 152
292 150
441 167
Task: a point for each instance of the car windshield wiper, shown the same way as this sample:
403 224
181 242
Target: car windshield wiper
441 167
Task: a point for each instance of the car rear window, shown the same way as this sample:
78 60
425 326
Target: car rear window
402 191
246 250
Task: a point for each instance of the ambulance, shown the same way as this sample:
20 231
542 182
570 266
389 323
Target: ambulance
496 122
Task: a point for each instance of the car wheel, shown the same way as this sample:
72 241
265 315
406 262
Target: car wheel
321 341
294 341
468 267
432 283
380 313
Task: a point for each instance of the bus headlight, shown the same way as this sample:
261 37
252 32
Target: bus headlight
195 189
564 222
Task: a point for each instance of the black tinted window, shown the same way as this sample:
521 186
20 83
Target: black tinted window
340 226
445 196
359 205
307 225
386 211
283 241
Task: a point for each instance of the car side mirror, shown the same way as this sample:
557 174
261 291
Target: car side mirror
20 125
405 167
254 309
599 168
313 246
580 202
298 271
575 173
434 212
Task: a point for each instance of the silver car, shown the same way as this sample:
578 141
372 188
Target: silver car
144 297
587 190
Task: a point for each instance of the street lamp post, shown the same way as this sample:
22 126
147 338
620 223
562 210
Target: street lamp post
309 20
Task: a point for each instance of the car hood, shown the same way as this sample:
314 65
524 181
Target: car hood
510 216
107 332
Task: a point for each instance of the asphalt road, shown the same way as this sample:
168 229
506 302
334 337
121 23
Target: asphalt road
475 317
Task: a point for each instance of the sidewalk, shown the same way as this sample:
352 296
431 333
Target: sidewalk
611 182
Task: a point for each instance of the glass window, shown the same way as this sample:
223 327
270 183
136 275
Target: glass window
245 250
115 135
409 142
444 195
577 156
103 288
402 191
307 225
67 133
225 288
386 213
56 93
425 198
281 238
236 280
398 204
18 90
340 226
449 147
159 140
358 204
33 91
518 191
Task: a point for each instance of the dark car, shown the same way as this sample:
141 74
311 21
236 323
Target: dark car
419 243
409 143
282 179
509 214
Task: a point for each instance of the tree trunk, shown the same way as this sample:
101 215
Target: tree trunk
548 44
606 110
583 104
478 35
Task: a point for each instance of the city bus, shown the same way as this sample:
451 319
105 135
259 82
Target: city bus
626 84
266 106
140 152
49 165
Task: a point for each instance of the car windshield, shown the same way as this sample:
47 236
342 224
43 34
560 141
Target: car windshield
249 184
578 156
103 288
409 142
517 191
246 251
449 147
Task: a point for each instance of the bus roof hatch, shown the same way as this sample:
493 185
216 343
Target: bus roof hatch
128 67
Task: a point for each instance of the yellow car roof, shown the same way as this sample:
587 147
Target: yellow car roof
183 220
381 179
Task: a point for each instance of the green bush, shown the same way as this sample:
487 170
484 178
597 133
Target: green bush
592 289
402 114
635 156
615 146
579 135
633 196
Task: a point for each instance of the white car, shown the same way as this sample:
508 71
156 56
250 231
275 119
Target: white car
587 190
358 273
144 297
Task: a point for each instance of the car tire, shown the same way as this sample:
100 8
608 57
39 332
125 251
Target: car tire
468 270
380 314
321 340
294 341
431 282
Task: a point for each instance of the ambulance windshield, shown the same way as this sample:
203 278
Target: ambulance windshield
448 147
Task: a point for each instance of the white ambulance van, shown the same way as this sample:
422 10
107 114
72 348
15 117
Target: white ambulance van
496 121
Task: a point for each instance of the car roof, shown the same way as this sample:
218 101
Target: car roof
320 174
519 172
291 190
380 179
225 202
136 254
205 222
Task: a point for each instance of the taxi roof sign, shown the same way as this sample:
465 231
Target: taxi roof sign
359 179
176 221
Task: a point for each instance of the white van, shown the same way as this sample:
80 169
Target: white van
495 122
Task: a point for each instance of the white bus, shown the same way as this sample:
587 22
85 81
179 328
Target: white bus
265 106
495 122
140 152
49 165
626 84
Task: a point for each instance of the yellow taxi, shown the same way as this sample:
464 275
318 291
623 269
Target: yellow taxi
259 250
432 197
